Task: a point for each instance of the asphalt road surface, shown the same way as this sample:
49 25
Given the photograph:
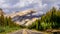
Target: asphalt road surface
32 32
25 31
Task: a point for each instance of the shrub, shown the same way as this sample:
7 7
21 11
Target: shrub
2 30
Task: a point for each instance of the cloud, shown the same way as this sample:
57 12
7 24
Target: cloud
50 4
11 2
2 1
23 3
3 4
19 3
40 5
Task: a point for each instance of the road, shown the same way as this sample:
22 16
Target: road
25 31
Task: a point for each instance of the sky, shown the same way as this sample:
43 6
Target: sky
10 6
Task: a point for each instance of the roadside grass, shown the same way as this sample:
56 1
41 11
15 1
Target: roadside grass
7 29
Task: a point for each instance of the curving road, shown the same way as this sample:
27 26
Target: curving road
25 31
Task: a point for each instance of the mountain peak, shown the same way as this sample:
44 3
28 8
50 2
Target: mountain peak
21 13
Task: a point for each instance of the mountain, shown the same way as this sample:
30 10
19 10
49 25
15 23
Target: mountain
26 17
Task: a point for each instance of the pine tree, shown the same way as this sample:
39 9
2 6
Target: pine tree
2 18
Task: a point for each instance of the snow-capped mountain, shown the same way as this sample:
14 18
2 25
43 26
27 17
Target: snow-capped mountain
24 17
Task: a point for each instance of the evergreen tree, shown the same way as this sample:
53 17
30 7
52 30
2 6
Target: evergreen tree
50 20
2 18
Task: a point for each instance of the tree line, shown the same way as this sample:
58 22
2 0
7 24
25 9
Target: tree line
6 21
51 20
